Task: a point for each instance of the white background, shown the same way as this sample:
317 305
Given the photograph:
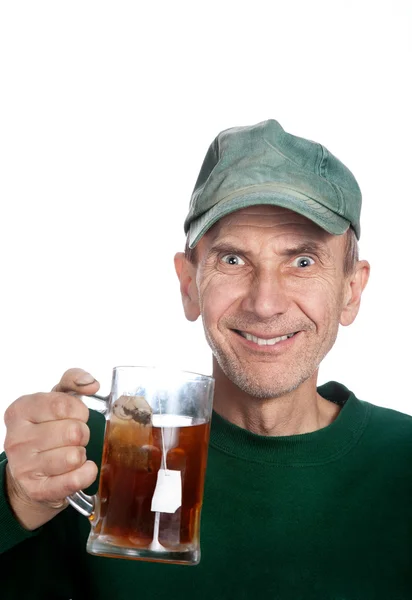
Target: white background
106 112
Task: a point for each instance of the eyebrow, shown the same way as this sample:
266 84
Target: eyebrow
310 247
307 248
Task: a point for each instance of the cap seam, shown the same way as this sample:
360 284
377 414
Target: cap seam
322 162
336 189
322 173
295 164
201 189
218 151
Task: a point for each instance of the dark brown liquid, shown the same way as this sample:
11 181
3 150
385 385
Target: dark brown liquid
132 456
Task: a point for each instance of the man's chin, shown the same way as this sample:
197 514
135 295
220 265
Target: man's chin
262 384
265 392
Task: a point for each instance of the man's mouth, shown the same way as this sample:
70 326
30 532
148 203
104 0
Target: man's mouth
263 341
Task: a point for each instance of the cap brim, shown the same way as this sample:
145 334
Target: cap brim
299 203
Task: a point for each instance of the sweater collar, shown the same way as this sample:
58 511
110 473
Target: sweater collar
321 446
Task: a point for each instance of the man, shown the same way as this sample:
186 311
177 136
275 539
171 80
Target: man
308 490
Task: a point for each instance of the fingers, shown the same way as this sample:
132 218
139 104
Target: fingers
69 483
38 408
54 489
57 462
49 463
77 380
33 439
56 405
61 486
46 435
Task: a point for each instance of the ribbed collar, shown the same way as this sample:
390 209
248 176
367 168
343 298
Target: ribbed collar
321 446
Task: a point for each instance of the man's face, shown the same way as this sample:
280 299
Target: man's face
270 287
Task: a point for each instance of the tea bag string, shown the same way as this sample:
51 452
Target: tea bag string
162 436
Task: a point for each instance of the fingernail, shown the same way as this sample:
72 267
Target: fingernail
85 379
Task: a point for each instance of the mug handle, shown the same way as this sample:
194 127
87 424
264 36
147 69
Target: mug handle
79 500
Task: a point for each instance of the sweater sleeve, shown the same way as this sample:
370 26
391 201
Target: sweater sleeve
11 532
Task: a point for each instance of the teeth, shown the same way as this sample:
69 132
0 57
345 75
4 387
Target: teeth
261 342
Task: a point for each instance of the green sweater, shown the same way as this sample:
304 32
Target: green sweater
324 515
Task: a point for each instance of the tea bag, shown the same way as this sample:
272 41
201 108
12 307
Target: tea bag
132 429
134 408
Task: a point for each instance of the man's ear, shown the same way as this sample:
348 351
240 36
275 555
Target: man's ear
355 285
186 273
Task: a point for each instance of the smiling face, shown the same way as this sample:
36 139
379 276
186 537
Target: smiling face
271 289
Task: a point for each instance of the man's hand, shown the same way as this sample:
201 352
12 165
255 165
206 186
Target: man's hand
46 435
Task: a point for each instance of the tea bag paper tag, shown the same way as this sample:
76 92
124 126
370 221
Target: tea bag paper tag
167 497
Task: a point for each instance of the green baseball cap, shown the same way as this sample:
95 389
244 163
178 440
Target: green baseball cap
263 164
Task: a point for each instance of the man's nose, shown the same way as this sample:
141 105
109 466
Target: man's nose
266 296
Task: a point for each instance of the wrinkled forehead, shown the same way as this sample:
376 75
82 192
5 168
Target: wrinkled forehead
266 219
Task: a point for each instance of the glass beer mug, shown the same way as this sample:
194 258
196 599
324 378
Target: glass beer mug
153 466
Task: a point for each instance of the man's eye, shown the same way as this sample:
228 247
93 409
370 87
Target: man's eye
232 259
303 261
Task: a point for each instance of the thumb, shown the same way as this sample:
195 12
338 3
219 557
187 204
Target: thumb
75 380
